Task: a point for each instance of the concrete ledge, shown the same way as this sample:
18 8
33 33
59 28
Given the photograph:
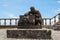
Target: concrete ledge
8 26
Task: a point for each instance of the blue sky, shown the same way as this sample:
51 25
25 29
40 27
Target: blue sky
14 8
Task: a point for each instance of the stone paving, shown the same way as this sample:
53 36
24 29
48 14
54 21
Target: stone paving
3 36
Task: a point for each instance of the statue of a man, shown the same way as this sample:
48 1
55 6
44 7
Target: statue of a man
36 13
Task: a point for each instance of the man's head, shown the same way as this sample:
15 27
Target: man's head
32 8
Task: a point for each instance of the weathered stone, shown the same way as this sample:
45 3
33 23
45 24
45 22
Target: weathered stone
33 34
29 27
56 26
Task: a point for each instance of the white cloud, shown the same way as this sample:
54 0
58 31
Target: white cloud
11 15
5 5
58 1
57 11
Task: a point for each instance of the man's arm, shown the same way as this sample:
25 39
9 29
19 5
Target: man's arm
39 14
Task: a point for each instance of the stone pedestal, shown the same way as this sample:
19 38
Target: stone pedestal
29 27
29 34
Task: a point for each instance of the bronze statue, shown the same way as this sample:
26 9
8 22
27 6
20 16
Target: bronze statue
38 17
33 17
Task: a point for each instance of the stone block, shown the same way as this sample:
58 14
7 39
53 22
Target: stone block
30 34
29 27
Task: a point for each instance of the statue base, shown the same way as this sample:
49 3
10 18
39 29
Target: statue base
29 34
30 27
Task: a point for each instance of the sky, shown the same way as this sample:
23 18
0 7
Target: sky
14 8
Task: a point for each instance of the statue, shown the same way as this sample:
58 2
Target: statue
38 17
33 17
31 20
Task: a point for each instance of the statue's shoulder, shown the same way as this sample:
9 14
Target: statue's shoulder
37 11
